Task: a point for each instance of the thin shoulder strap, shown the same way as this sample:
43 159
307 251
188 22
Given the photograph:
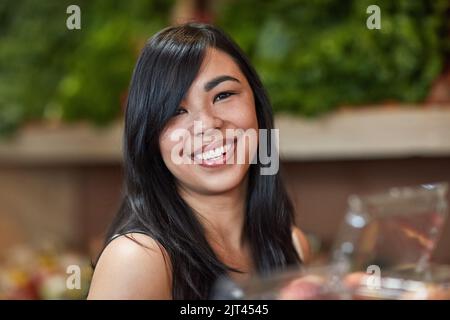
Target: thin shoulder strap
125 233
114 237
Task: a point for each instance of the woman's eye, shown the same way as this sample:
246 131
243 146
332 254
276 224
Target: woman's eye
223 95
179 111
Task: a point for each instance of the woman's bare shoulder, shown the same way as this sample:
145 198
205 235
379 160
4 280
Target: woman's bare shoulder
132 266
301 244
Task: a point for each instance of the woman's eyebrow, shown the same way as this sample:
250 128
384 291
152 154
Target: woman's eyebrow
214 82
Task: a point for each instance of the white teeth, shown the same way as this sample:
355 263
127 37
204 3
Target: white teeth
213 154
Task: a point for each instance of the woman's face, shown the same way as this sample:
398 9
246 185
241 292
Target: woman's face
203 145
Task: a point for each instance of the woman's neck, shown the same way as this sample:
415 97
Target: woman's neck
222 215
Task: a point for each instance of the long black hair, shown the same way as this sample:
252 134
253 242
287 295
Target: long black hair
167 66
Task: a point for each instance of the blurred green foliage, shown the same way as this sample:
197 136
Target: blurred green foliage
316 55
48 71
313 55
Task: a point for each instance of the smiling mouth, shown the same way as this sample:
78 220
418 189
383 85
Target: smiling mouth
214 157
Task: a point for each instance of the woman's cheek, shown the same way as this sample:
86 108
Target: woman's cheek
249 121
169 148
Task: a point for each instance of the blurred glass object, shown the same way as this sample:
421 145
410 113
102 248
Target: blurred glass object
398 227
312 283
405 283
327 282
382 252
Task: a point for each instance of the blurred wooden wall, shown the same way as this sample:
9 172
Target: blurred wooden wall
74 205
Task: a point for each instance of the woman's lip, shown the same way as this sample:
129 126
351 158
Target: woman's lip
212 146
220 161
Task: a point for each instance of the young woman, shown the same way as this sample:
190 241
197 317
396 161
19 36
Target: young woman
183 224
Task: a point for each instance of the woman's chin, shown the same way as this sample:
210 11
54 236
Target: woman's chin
221 181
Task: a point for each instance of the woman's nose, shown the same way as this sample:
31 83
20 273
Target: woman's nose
206 121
